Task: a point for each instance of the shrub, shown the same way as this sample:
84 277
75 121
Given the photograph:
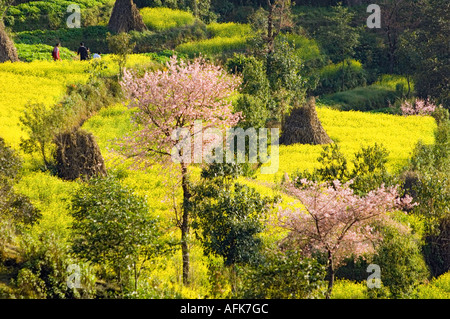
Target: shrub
273 277
121 46
346 289
368 98
119 244
331 77
369 168
400 272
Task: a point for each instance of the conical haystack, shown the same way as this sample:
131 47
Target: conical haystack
303 126
126 17
8 51
78 156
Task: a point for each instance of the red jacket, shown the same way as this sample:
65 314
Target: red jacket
55 54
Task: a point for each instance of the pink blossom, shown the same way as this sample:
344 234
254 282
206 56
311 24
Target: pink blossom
175 98
419 107
336 221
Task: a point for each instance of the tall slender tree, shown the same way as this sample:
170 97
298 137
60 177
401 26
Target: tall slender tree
339 38
169 104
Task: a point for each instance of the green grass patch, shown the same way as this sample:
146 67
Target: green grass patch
31 52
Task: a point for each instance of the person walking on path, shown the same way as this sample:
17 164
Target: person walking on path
55 54
82 52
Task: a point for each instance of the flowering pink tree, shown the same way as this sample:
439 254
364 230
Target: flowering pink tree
172 99
336 221
419 107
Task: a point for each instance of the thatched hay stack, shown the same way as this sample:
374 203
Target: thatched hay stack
78 156
303 126
126 17
8 51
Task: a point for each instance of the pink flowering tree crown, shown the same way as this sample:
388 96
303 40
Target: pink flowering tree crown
336 221
418 107
174 107
175 98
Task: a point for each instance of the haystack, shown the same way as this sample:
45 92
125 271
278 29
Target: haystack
78 156
8 51
303 126
126 17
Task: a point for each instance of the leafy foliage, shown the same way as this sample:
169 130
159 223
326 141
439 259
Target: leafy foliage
337 222
272 278
113 227
229 218
333 77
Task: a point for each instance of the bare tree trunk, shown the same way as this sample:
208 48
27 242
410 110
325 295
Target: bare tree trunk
185 224
8 51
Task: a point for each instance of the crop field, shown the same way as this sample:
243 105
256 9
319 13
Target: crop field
74 192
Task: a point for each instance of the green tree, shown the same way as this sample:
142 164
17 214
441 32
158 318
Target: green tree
41 123
339 38
433 76
256 97
121 46
228 217
401 261
16 210
283 67
113 227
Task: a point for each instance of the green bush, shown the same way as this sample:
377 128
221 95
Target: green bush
113 227
369 168
334 78
273 277
368 98
346 289
401 272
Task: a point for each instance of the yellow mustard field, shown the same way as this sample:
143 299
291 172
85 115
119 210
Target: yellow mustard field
352 130
42 82
45 82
